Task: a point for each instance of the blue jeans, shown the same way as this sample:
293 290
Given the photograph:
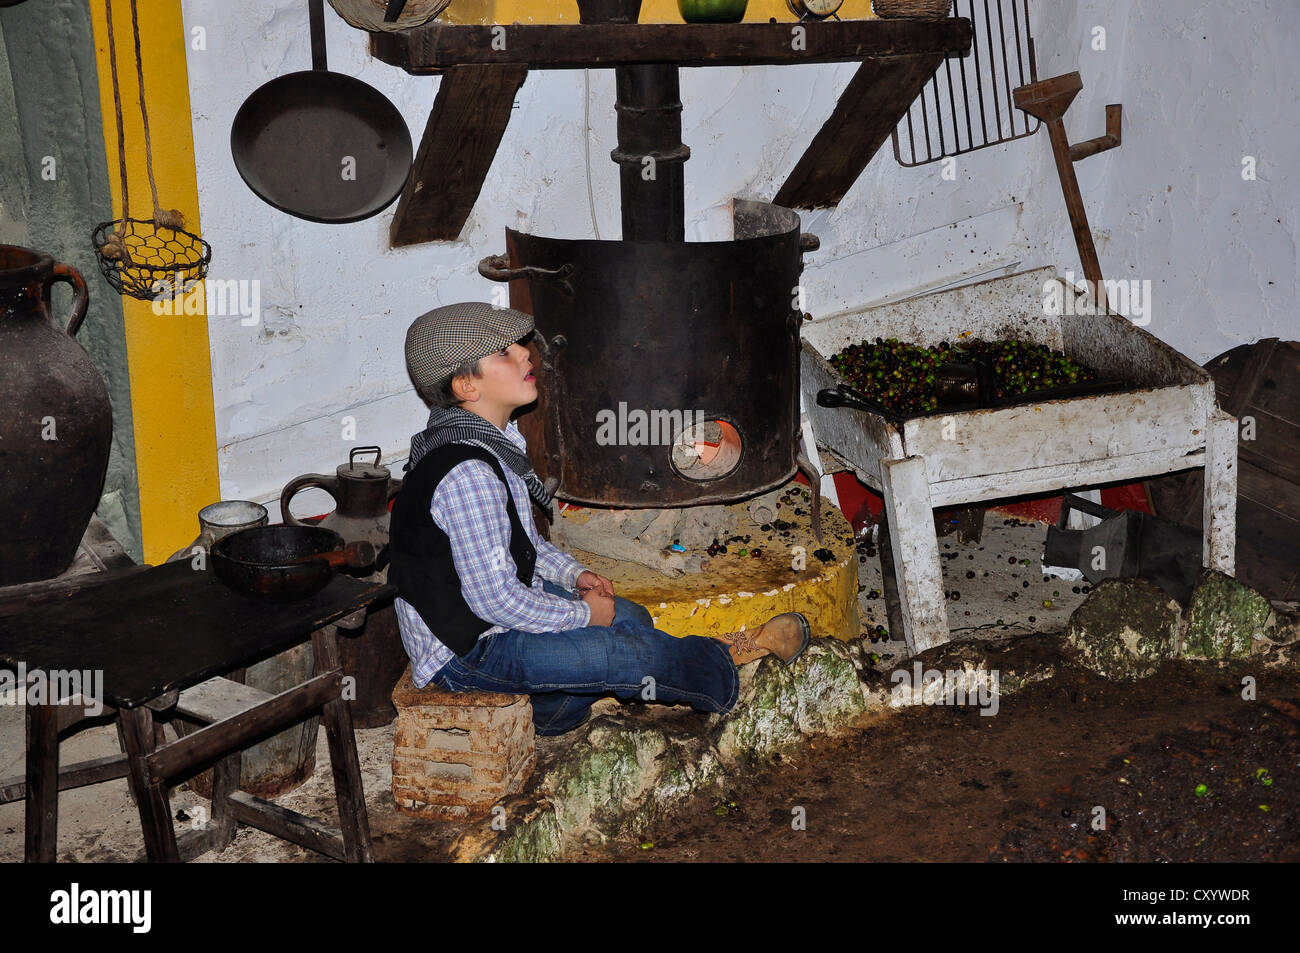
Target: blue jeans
566 672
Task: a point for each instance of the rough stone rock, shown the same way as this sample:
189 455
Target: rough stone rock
1125 629
692 767
976 672
859 653
765 721
1286 657
821 694
608 779
1287 631
520 829
827 689
1014 662
957 673
1227 620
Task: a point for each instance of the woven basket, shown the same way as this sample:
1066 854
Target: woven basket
369 14
899 9
135 256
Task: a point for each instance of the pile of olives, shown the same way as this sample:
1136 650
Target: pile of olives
906 379
1023 368
899 376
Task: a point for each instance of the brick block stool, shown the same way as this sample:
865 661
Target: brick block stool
455 754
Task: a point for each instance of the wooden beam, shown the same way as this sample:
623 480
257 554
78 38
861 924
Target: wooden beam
918 573
1219 522
41 834
286 824
875 100
468 119
225 784
437 46
348 790
193 843
150 792
207 744
108 768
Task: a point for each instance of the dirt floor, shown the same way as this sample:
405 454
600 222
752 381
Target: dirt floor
931 783
948 784
922 784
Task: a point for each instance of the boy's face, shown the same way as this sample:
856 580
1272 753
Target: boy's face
505 384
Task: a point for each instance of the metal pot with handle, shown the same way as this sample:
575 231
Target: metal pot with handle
362 489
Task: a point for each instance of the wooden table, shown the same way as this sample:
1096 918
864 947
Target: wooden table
160 640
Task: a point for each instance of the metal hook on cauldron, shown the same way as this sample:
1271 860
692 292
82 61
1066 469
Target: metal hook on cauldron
497 268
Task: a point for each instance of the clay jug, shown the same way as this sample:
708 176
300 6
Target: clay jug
56 423
374 657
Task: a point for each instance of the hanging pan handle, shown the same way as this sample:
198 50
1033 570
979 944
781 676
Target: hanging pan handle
845 396
316 11
497 268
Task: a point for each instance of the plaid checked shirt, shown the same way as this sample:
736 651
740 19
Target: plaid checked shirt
469 505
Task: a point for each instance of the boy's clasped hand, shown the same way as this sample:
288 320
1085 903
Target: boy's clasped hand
598 592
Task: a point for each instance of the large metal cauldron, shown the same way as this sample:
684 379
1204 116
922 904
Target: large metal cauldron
641 341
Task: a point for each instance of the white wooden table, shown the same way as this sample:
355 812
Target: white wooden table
1167 421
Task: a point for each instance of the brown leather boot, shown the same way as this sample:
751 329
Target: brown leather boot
786 636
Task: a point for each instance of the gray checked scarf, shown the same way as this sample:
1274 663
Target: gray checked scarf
455 425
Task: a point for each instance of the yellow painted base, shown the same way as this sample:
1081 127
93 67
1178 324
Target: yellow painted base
738 592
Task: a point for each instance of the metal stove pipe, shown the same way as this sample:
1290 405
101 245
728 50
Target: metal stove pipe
650 153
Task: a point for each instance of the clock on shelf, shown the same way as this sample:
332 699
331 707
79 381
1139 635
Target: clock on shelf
814 9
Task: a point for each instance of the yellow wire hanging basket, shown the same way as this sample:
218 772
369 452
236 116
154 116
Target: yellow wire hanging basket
154 257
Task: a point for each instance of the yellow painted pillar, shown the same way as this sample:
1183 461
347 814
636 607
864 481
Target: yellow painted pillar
168 355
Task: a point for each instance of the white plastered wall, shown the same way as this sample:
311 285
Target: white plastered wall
1169 205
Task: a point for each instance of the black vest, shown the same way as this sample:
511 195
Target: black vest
421 565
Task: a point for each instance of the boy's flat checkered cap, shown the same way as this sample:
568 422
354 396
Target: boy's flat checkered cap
442 340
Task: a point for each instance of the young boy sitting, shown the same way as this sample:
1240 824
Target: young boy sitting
486 604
